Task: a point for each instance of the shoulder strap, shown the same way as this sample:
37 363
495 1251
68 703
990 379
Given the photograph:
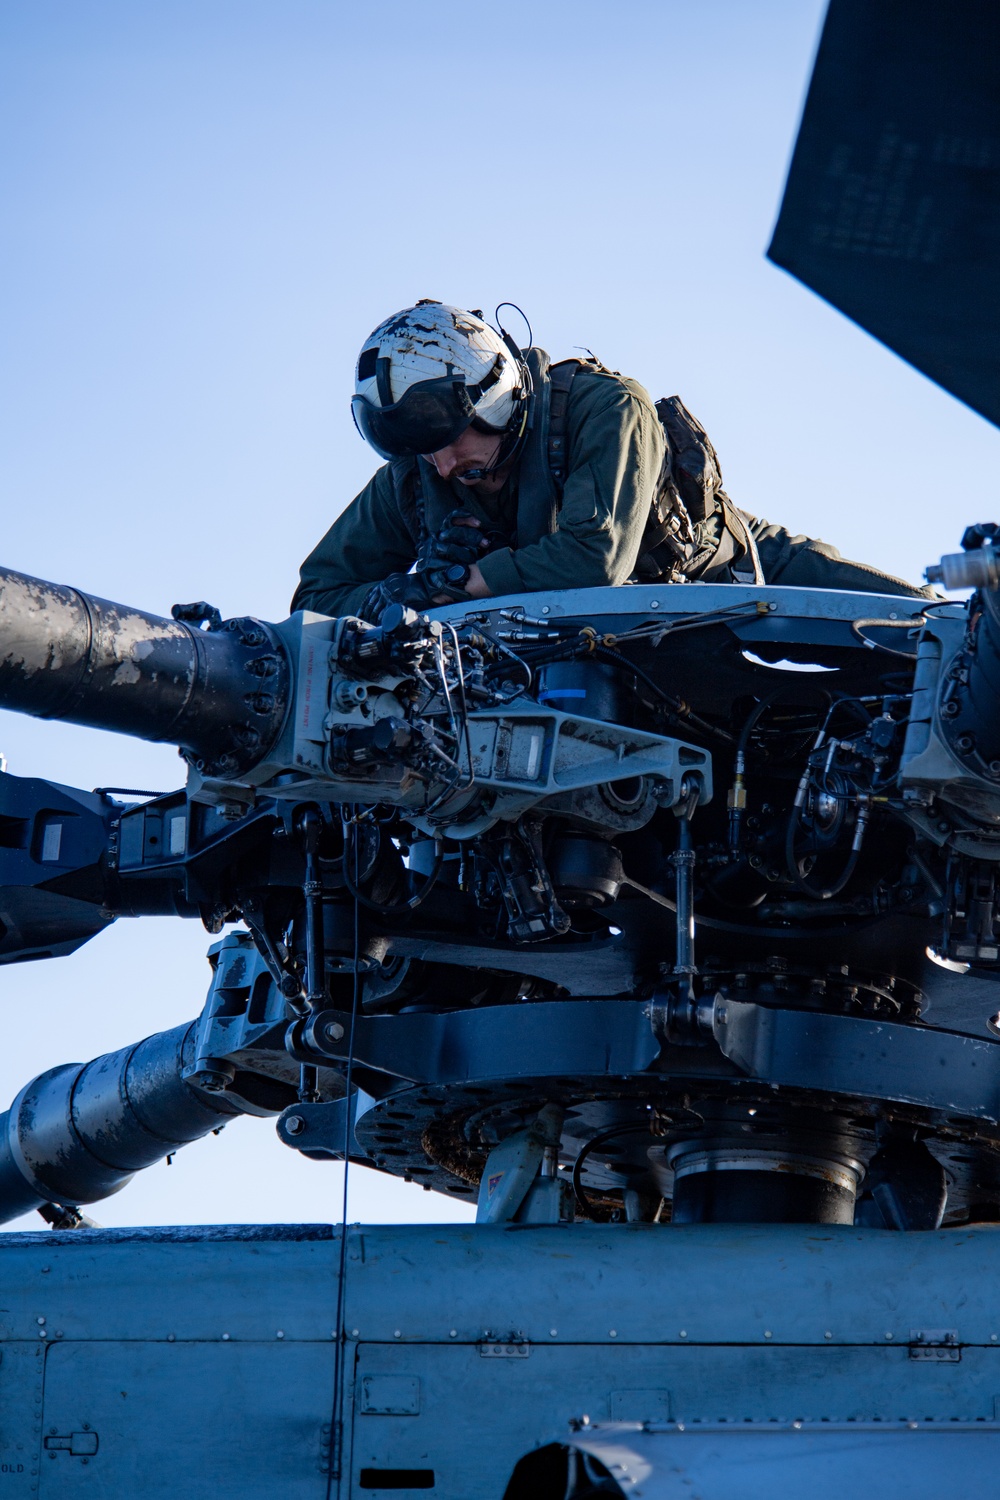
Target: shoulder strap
561 377
538 493
749 569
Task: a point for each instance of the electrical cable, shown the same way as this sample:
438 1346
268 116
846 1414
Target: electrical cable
404 908
124 791
598 1140
460 679
588 648
910 624
339 1357
772 697
742 929
498 645
676 706
801 880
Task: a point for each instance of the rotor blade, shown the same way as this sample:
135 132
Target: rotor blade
892 205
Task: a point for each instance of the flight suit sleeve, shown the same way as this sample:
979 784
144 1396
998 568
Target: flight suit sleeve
615 452
370 540
805 562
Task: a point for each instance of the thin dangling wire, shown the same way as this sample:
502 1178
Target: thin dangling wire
339 1358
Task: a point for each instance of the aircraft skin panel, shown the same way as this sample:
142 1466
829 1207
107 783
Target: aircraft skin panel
201 1361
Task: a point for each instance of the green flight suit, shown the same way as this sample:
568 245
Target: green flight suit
614 453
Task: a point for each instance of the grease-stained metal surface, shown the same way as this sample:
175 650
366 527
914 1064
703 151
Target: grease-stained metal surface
48 627
64 654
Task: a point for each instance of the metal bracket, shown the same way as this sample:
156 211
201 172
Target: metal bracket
860 1057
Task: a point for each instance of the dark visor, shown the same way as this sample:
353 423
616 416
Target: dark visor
428 417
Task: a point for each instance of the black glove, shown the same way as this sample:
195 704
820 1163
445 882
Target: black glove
417 591
461 539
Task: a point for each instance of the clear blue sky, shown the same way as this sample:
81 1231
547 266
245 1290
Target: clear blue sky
208 204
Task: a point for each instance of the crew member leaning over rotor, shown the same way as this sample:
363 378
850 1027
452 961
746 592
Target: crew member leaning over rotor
507 474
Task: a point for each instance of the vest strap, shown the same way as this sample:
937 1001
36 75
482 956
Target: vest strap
561 377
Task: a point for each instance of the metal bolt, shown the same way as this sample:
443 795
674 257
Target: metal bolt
683 1333
654 603
913 1426
888 1335
354 1333
280 1333
767 1333
828 1334
212 1082
294 1125
225 1337
333 1031
39 1320
797 1426
453 1333
612 1333
171 1337
397 1334
553 1332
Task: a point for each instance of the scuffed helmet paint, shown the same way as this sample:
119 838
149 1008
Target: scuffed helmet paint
431 340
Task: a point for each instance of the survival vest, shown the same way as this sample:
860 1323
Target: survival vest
694 530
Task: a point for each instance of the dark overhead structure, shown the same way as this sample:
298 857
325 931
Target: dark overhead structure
892 206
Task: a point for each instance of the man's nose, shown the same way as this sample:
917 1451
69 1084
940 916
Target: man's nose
445 462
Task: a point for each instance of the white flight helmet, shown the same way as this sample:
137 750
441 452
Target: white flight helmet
431 371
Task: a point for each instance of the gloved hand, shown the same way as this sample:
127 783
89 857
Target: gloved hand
461 539
434 585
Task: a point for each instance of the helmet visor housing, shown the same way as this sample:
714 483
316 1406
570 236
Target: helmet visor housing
428 417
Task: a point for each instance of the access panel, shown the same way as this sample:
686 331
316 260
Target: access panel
200 1420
